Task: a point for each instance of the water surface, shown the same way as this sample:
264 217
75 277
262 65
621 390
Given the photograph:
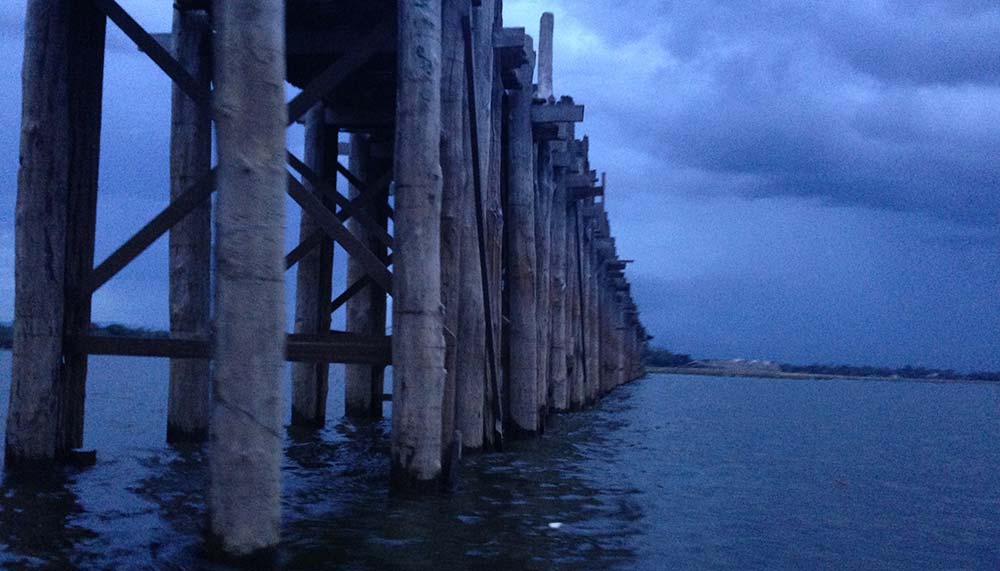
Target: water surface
669 472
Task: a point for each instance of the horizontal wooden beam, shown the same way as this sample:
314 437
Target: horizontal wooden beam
558 113
338 347
585 180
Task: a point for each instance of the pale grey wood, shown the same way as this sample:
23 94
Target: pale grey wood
558 297
577 392
418 339
313 276
545 56
544 190
53 225
366 310
191 238
456 194
521 259
592 311
244 500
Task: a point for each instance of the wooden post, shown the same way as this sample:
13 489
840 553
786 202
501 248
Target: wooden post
492 85
544 190
575 264
592 310
521 257
366 310
54 226
455 196
559 390
244 500
190 239
418 341
314 276
545 57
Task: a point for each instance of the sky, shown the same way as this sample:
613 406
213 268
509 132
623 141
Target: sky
797 181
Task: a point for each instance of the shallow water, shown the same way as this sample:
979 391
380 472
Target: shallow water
669 472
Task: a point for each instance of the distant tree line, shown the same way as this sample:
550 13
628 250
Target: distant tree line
907 372
660 357
111 329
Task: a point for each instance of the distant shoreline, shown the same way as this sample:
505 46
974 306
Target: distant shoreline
705 372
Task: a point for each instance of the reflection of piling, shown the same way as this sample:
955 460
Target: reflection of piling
509 299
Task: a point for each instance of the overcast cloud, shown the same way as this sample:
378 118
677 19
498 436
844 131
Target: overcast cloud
802 181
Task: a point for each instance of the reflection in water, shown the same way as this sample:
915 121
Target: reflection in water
670 472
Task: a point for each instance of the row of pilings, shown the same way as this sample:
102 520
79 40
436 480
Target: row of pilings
471 202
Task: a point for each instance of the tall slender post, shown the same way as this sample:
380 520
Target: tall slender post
521 256
417 339
456 194
575 313
244 500
545 57
54 225
544 190
364 384
313 278
593 308
559 389
190 239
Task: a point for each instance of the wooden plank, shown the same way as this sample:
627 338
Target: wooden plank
349 293
558 113
161 57
583 193
336 230
580 180
327 190
338 71
335 348
151 232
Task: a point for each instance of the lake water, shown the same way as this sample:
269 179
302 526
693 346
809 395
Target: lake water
670 472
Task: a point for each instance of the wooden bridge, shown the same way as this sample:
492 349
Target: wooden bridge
470 201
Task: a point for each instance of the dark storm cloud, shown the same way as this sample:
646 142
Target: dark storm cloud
892 105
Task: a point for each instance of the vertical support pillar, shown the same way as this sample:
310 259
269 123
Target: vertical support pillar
558 297
54 226
456 192
314 277
545 57
244 499
521 258
191 238
492 85
418 339
544 190
577 392
364 384
592 309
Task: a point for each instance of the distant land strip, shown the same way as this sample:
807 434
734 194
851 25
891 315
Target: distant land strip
708 372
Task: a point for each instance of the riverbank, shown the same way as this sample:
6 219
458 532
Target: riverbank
708 372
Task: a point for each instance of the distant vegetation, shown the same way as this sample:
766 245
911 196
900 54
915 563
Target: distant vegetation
660 357
906 372
112 329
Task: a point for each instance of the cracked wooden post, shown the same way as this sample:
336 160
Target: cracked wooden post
522 371
492 85
313 277
191 238
62 84
575 331
244 499
418 339
455 198
366 310
544 190
558 296
545 57
591 312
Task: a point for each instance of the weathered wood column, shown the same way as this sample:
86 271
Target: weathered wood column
244 500
456 194
314 276
558 295
366 310
492 86
191 238
547 27
418 337
62 84
522 371
575 330
592 314
544 190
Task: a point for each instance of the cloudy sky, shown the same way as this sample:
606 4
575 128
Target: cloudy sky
799 181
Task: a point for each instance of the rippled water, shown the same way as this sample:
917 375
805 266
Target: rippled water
670 472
